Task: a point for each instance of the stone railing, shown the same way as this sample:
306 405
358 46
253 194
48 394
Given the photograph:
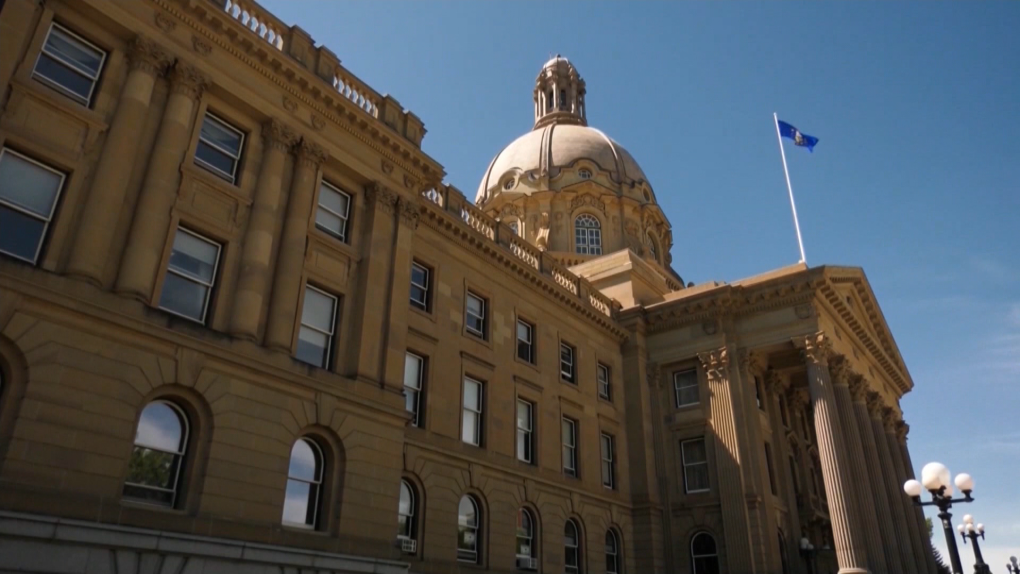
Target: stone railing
258 20
526 252
357 91
477 219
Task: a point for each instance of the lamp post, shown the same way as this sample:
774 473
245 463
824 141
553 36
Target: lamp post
935 479
969 530
1013 567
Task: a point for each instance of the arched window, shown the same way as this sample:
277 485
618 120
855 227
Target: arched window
572 548
405 514
584 173
704 556
588 235
161 439
304 485
469 530
525 540
612 552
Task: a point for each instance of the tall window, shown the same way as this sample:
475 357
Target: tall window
571 548
525 341
333 211
568 365
318 322
157 460
704 556
304 485
474 315
784 414
588 235
471 432
608 461
602 372
685 387
420 282
469 529
695 460
569 436
219 147
525 432
28 198
414 376
793 477
526 540
190 275
768 460
612 552
759 396
70 64
405 514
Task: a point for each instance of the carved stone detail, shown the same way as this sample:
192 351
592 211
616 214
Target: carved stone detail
289 104
201 46
799 398
902 430
318 123
387 167
278 135
890 419
774 383
510 210
165 23
751 362
409 213
147 56
875 405
542 232
409 181
381 197
858 388
715 362
187 80
805 311
816 348
583 200
839 369
311 153
709 327
654 375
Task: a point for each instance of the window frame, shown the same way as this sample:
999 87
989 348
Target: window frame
6 204
331 336
317 485
525 436
181 455
410 518
476 528
530 536
592 235
422 362
677 388
686 465
346 217
209 287
483 318
53 83
570 375
572 471
426 305
610 462
605 382
694 557
479 414
576 548
530 343
615 569
231 177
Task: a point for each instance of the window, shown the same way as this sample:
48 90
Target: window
608 461
304 485
758 395
612 553
190 275
514 226
567 363
704 556
474 315
569 436
508 184
695 459
318 321
525 342
784 413
469 530
526 540
28 198
69 64
588 235
685 387
602 372
805 427
772 474
414 374
584 173
571 548
525 432
333 211
471 432
405 513
219 148
420 283
157 461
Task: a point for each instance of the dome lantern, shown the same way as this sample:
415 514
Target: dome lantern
559 94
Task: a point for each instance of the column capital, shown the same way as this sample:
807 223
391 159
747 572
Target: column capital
799 398
902 430
774 383
839 369
875 405
187 80
858 388
653 374
751 362
382 197
815 348
890 419
147 56
715 362
277 135
409 213
310 154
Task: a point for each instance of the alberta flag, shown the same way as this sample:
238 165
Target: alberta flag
800 139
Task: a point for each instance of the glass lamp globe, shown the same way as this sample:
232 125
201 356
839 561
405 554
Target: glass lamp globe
912 488
964 482
948 491
980 528
935 475
968 519
960 529
970 528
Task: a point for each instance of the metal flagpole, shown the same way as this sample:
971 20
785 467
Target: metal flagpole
789 188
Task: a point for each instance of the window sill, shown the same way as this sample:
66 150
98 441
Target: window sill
528 364
421 312
214 181
137 504
332 243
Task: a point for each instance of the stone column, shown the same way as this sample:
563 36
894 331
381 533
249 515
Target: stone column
290 262
140 265
864 497
257 250
876 479
90 251
892 421
893 488
728 462
848 537
775 387
929 555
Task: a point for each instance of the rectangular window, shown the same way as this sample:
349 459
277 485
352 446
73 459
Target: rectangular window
525 341
318 321
685 387
758 395
471 432
28 198
805 426
191 273
608 461
603 380
421 277
525 432
333 211
569 435
695 460
793 476
474 315
414 377
784 413
70 64
772 474
567 365
219 147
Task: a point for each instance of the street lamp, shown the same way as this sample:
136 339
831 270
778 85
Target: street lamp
969 530
1013 567
935 479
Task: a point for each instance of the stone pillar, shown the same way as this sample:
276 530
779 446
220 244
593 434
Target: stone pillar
290 262
775 388
864 498
847 534
929 555
893 488
876 479
91 249
735 521
140 265
257 250
892 421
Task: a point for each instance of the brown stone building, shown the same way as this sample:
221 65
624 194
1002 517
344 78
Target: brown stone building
245 328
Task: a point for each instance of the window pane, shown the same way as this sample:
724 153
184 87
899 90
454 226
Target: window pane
524 415
312 347
27 185
419 276
418 296
215 132
193 256
75 53
334 201
470 430
183 296
474 305
318 310
304 462
697 477
215 158
150 495
412 371
694 452
472 396
152 468
20 235
406 500
523 331
466 512
331 223
64 76
160 427
298 506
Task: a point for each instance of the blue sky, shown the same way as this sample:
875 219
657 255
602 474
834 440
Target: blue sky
916 178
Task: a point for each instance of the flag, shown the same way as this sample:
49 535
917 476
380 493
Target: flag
800 139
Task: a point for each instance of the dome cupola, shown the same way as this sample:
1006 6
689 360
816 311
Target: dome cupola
559 94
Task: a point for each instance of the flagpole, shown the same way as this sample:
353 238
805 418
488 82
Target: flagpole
789 188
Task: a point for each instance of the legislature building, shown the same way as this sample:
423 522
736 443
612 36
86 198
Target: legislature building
246 328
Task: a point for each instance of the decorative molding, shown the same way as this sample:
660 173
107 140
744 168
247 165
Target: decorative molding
875 405
654 375
511 210
805 311
289 104
409 214
165 23
774 383
387 167
710 327
310 153
799 398
839 369
187 80
890 419
148 56
200 46
277 135
858 388
902 430
409 181
751 362
715 362
381 197
318 123
589 200
815 348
